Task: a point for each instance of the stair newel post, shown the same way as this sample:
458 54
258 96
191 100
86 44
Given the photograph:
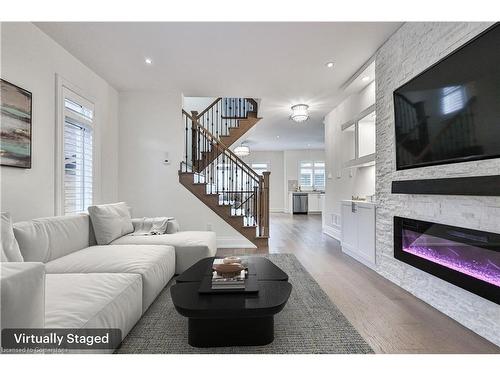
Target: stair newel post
255 208
260 198
219 116
194 139
265 204
186 140
211 168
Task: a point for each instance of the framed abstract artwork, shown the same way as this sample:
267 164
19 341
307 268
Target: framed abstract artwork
15 121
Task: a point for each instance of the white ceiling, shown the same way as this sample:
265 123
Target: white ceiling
280 63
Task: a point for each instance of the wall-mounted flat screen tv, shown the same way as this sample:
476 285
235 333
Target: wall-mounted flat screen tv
451 112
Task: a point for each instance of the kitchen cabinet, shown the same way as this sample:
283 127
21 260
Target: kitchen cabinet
358 231
315 202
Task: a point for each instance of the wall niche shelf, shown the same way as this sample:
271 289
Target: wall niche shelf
476 186
358 139
364 161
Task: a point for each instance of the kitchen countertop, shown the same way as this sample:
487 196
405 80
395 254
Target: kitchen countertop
360 202
306 192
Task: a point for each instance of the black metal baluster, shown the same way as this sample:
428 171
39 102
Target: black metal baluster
217 178
219 117
225 115
187 134
210 169
232 182
216 117
231 112
242 186
247 207
224 177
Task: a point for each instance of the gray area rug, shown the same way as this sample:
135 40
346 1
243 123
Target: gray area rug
309 323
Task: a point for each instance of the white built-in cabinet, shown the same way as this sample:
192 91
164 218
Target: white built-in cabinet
315 202
358 231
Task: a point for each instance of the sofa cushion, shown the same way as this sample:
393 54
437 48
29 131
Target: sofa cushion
46 239
10 248
155 264
110 221
106 300
190 246
22 294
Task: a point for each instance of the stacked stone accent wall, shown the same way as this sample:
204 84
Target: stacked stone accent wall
411 50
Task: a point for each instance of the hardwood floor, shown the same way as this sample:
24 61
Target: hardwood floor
390 319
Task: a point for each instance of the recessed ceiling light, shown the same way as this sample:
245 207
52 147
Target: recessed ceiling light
148 60
365 78
329 64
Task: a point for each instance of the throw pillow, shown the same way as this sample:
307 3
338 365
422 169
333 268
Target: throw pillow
172 226
147 226
110 221
10 247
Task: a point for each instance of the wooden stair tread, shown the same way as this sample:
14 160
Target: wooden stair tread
223 210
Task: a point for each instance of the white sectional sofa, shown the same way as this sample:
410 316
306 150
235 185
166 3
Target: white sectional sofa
88 285
190 246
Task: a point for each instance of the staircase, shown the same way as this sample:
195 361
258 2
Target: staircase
217 176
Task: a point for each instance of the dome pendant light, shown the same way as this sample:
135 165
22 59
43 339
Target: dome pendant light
242 150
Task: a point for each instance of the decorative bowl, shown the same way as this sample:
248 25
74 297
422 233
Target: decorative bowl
228 260
228 269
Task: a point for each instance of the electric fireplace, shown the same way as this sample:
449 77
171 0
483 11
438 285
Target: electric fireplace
464 257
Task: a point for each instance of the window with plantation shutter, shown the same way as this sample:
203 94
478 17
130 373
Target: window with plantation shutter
312 174
319 175
306 174
78 153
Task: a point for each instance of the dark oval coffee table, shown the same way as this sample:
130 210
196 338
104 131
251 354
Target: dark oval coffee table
231 319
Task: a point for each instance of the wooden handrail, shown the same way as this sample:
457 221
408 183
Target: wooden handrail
210 106
187 114
264 205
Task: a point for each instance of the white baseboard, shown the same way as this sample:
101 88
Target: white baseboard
332 232
234 242
358 257
280 210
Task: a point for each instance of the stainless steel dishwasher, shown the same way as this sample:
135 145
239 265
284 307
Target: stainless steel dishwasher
300 203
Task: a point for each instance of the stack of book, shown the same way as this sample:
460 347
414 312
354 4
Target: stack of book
223 282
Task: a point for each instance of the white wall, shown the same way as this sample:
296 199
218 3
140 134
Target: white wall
343 183
277 178
198 104
411 50
150 126
30 59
